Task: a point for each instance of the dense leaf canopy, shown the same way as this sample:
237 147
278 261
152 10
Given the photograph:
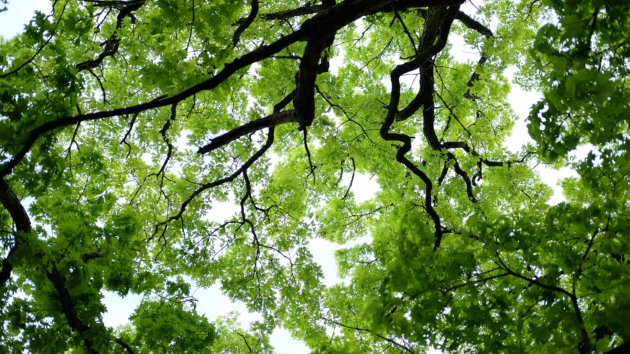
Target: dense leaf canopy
125 126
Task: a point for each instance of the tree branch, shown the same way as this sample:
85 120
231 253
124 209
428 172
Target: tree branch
271 120
22 222
389 340
125 345
436 28
473 24
245 24
245 340
68 309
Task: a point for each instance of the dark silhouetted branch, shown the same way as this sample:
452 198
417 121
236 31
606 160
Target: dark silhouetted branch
248 128
245 24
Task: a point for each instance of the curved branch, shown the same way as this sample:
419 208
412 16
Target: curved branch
406 147
354 168
246 23
12 204
465 177
437 27
22 222
67 306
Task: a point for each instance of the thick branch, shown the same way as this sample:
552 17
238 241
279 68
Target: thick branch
7 268
245 24
474 24
308 9
22 222
12 204
304 100
249 128
437 27
23 226
68 309
406 147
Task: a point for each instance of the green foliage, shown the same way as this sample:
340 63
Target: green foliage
582 62
168 327
129 130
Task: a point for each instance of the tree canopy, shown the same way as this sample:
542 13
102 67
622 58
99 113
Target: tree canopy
125 125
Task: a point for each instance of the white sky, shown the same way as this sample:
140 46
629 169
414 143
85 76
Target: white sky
211 301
